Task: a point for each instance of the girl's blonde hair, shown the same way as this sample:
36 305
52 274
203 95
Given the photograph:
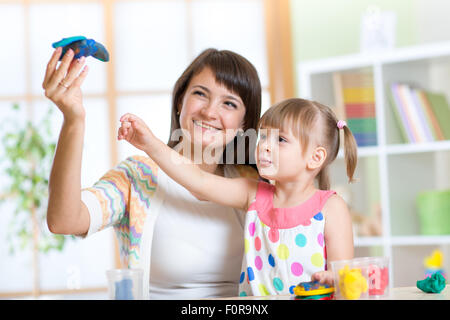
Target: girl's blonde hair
304 118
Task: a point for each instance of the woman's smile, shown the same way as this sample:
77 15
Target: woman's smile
205 126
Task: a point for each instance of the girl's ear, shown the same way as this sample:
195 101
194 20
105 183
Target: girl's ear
317 158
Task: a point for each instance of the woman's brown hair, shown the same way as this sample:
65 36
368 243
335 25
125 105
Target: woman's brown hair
304 118
238 75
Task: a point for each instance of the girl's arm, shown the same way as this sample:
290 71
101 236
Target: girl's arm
235 192
338 236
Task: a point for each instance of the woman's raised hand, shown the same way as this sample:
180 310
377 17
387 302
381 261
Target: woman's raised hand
62 85
134 130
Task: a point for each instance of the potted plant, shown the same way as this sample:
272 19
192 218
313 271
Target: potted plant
29 151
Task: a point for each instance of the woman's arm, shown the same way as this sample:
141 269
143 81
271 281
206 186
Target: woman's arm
66 213
236 193
338 236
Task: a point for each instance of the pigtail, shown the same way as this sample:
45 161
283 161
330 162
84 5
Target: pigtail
350 153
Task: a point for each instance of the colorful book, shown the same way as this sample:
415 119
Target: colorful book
422 116
359 95
366 138
362 125
430 116
360 110
400 112
411 113
441 109
355 101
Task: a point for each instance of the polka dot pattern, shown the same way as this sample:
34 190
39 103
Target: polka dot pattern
283 252
277 257
251 229
242 278
250 274
258 263
263 290
271 260
296 269
257 243
300 240
274 235
320 239
278 284
319 216
317 259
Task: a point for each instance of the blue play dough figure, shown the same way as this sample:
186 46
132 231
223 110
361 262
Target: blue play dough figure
124 289
83 47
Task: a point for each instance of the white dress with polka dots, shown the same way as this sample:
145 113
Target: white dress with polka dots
283 246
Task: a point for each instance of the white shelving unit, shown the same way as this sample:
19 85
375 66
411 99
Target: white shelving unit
402 170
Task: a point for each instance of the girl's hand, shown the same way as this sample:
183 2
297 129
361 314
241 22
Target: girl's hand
324 277
134 130
62 85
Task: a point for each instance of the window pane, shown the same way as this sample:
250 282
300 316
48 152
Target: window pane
52 22
150 44
82 264
12 54
10 120
15 271
96 152
96 149
234 25
154 110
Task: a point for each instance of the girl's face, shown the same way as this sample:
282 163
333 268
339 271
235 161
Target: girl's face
279 155
210 114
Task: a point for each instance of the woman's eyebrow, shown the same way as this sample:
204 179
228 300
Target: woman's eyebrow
201 87
231 97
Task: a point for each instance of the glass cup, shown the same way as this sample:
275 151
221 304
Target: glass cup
351 279
125 284
361 278
378 270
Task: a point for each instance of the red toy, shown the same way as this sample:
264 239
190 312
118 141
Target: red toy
378 280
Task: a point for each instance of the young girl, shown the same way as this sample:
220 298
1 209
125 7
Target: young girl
293 229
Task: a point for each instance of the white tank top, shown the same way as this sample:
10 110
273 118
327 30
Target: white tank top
197 247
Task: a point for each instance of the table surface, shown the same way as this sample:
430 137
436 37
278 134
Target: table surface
402 293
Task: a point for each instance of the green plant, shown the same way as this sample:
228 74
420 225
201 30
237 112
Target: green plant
29 151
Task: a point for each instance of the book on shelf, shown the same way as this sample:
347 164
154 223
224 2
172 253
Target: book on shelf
441 109
355 102
430 115
422 116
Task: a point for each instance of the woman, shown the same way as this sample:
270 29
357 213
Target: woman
187 248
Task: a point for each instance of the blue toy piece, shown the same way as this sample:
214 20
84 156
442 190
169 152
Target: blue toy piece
124 289
83 47
313 290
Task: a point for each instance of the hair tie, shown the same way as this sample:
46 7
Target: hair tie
341 124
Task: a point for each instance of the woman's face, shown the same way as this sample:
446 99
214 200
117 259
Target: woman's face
210 114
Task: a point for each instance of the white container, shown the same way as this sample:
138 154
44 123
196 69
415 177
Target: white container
125 284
